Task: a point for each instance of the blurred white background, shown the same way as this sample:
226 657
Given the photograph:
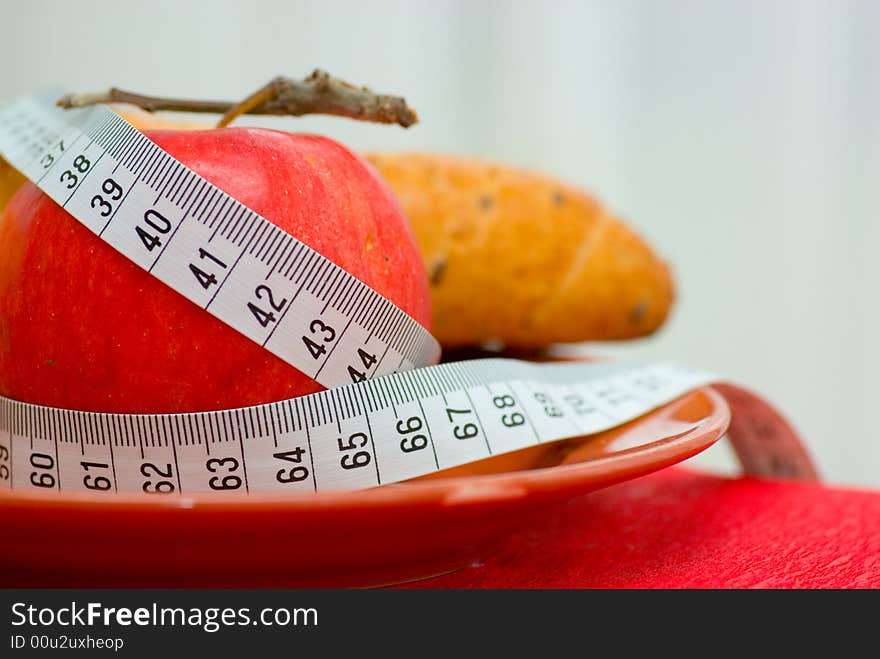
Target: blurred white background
741 137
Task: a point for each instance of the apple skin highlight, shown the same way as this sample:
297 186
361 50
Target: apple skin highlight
83 327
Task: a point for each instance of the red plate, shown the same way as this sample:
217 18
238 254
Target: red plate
385 535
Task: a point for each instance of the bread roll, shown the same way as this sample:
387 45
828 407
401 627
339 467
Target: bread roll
523 259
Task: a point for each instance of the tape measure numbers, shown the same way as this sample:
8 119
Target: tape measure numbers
209 247
391 425
360 435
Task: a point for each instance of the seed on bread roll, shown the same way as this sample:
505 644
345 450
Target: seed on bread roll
523 259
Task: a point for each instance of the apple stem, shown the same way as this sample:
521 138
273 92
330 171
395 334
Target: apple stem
319 93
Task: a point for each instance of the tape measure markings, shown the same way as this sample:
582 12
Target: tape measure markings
358 435
148 200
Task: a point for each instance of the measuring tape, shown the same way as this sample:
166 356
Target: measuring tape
398 424
163 216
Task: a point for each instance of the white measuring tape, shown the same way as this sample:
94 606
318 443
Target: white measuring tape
395 425
204 244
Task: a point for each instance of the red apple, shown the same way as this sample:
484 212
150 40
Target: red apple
83 327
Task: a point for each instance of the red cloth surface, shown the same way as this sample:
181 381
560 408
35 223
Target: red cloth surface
682 529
